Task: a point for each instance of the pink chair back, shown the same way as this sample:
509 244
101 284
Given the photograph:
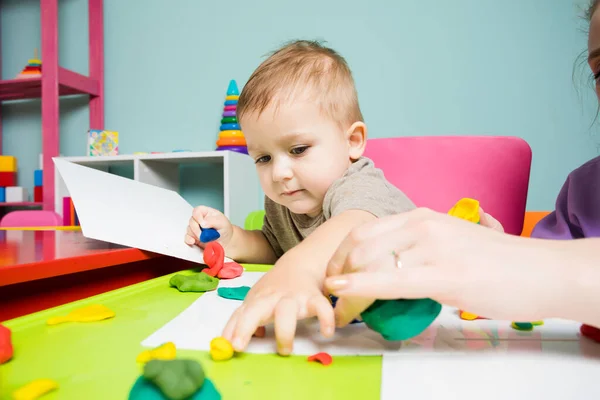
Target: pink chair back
28 218
437 171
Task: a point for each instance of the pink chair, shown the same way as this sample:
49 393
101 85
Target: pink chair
437 171
30 218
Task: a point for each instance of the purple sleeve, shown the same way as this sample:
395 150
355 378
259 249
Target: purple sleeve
577 213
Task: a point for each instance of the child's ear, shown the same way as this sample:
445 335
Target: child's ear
357 139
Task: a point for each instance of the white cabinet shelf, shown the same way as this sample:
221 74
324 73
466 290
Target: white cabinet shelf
241 191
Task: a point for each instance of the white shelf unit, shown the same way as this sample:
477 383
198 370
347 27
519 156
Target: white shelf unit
241 188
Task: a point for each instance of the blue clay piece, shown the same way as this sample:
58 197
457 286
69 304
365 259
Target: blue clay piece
208 235
143 389
232 90
230 102
230 127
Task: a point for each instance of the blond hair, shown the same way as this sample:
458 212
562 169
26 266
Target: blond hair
303 67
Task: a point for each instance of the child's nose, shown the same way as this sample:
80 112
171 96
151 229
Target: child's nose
282 171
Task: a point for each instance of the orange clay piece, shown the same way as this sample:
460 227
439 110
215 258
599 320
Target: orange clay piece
95 312
34 389
323 358
260 332
166 351
220 349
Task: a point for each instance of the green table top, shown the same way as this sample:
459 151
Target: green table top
98 360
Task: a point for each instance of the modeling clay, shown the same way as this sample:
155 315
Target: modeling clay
166 351
467 209
214 255
260 332
95 312
177 379
467 316
401 319
208 235
220 349
590 332
35 389
230 270
525 326
233 293
6 347
200 282
143 389
323 358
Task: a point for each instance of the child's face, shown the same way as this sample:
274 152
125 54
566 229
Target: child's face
594 48
298 152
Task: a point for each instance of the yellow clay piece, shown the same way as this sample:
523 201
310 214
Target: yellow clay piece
166 351
468 316
537 323
220 349
34 389
467 209
95 312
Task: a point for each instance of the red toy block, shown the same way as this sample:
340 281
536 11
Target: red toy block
6 348
38 194
8 179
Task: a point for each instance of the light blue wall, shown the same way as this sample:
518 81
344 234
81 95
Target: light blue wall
422 68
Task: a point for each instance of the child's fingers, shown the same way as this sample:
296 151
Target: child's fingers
249 319
230 326
191 237
285 316
199 213
321 307
489 221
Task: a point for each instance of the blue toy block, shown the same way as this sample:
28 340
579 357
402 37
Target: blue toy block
2 194
38 177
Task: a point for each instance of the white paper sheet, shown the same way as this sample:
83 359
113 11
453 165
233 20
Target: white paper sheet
205 319
119 210
457 376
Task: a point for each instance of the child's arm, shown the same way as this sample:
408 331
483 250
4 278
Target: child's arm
293 289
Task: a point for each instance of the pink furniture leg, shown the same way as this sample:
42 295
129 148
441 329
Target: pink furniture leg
96 64
50 99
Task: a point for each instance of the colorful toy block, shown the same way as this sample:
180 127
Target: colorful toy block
38 177
8 164
231 136
16 194
102 143
2 195
8 179
38 194
69 215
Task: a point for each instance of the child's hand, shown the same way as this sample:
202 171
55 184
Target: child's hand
208 218
283 296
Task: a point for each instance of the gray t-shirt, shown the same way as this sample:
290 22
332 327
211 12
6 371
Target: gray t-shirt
362 187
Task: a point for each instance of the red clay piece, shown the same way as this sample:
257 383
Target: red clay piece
214 255
323 358
6 348
260 332
230 270
590 332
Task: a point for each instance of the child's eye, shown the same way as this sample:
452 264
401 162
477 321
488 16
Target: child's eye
262 160
298 150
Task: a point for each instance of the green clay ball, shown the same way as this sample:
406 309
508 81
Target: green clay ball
234 293
200 282
143 389
401 319
176 379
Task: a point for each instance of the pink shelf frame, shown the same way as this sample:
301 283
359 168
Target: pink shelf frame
57 81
